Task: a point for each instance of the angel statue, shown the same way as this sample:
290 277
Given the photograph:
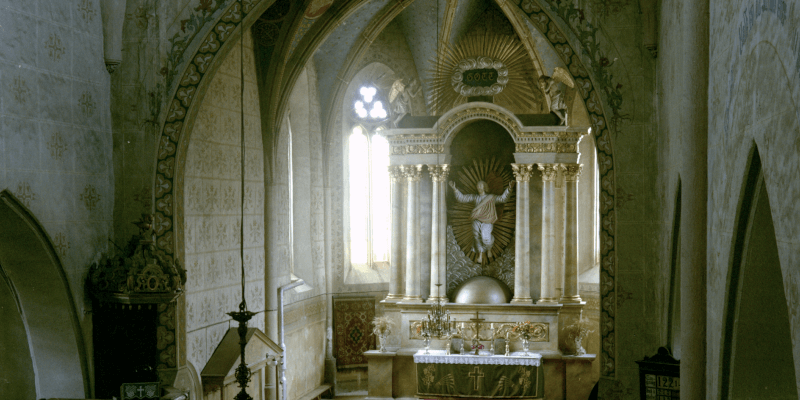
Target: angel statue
483 215
553 88
400 97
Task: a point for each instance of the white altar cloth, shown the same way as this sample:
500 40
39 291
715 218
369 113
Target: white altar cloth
440 357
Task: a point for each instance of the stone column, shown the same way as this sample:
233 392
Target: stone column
438 232
396 255
522 237
572 173
412 173
549 248
694 199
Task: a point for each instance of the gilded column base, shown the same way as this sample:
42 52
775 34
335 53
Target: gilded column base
570 300
547 301
522 300
393 298
434 299
412 299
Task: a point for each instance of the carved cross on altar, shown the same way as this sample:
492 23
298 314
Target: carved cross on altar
476 375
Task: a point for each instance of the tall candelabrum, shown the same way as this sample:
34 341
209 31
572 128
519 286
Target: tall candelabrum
437 324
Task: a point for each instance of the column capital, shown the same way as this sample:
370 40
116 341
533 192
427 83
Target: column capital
522 171
396 172
439 172
572 172
549 171
412 172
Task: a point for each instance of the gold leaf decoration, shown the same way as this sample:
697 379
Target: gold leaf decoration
508 50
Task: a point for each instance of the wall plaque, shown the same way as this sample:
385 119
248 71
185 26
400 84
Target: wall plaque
480 77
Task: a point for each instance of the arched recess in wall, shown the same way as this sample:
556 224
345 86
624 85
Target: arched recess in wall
756 309
37 283
558 26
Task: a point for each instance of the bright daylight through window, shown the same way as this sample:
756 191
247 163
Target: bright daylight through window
368 162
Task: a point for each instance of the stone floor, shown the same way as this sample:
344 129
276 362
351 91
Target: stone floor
351 384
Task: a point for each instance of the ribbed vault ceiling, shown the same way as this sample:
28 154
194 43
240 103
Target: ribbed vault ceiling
421 23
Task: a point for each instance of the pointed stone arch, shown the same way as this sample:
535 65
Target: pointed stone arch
33 271
559 24
756 309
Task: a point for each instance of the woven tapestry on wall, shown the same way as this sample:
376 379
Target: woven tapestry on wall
352 324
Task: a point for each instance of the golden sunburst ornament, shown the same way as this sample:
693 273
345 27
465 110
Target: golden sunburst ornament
497 177
489 65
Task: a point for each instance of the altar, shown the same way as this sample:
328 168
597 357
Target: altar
484 242
516 376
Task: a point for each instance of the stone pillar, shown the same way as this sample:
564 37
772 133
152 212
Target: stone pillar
694 198
522 236
438 232
412 173
571 294
549 248
396 255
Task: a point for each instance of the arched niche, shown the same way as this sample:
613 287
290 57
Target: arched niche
36 279
757 310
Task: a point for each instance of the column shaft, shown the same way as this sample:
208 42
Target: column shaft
549 256
413 174
694 199
571 292
443 232
438 231
522 253
396 260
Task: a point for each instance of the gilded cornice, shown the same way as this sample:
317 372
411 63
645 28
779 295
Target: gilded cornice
417 149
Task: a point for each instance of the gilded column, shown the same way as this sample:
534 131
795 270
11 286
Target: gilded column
438 231
549 249
412 173
572 173
396 260
522 254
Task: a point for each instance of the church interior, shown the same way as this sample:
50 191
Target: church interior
399 199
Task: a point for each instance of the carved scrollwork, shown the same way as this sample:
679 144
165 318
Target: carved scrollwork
412 172
546 148
439 173
137 274
572 172
549 171
522 172
418 149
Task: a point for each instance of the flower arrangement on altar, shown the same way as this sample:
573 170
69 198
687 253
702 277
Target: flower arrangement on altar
382 326
577 332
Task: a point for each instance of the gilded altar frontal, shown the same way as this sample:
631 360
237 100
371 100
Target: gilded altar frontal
399 199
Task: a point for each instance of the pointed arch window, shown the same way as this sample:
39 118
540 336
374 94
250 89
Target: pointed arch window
368 183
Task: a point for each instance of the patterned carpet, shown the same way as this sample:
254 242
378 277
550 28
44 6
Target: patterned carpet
352 324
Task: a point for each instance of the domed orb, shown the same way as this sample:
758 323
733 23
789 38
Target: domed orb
482 290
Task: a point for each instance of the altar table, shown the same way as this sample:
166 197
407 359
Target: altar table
518 376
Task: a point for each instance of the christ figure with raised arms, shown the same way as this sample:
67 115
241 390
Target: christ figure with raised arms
483 215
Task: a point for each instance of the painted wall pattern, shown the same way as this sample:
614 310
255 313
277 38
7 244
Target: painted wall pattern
50 152
212 206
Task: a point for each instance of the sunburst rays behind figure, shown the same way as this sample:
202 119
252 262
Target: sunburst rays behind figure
497 177
504 54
